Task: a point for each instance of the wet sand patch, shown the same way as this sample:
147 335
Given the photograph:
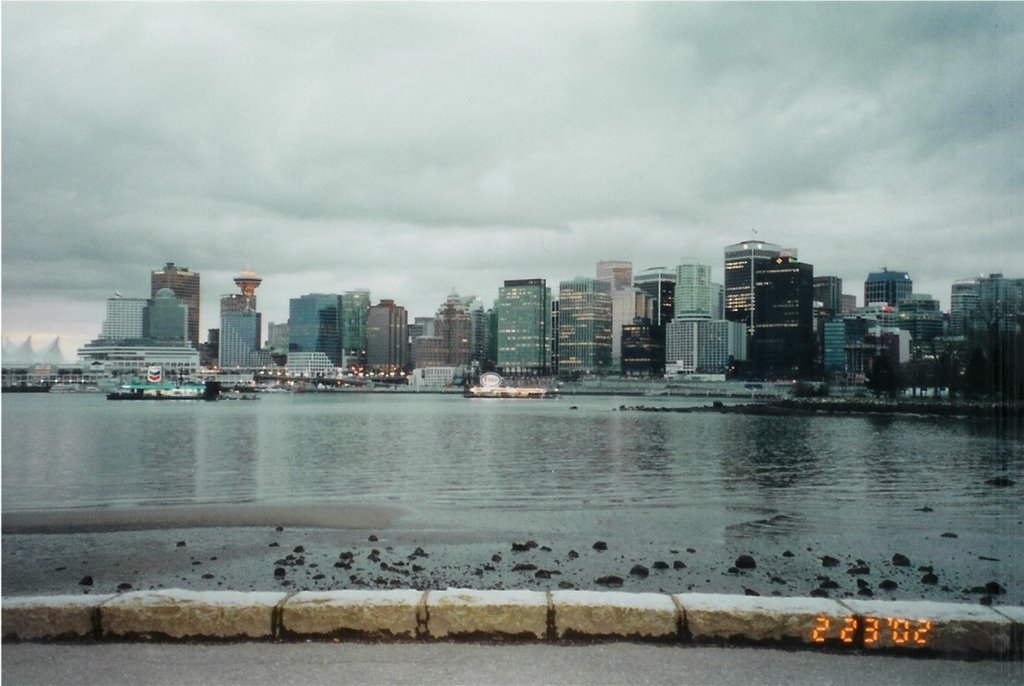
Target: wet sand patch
339 516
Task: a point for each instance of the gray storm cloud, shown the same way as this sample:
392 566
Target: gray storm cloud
416 148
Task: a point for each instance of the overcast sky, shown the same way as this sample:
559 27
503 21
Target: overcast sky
413 149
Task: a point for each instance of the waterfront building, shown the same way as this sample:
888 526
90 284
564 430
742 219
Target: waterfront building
523 328
584 326
167 317
742 261
700 345
354 306
310 364
828 290
659 285
888 287
433 377
616 273
314 325
119 359
126 319
783 345
185 285
693 290
386 337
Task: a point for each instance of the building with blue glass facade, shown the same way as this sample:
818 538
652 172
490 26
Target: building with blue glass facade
314 325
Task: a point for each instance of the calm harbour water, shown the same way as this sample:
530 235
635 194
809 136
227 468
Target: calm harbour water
479 470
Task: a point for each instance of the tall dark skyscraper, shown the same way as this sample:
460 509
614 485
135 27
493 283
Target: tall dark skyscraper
782 346
314 325
741 262
185 285
659 285
387 337
828 290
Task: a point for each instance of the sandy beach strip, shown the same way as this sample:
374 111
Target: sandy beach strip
336 516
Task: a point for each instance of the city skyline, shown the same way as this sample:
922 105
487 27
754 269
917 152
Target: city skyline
413 150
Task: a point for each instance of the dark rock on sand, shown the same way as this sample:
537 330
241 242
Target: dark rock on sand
986 600
745 562
888 585
610 580
298 549
373 538
819 593
828 584
573 555
495 557
523 547
85 581
949 534
829 561
565 585
929 579
778 580
180 544
926 568
640 571
1001 481
864 569
660 564
600 545
750 592
524 567
279 572
275 544
901 560
866 592
542 574
124 586
678 564
788 553
924 509
278 528
207 576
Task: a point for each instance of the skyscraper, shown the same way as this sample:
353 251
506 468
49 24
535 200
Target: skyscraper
454 327
354 305
584 326
386 337
168 317
741 262
314 325
659 285
126 319
241 324
888 287
185 284
693 290
782 346
963 302
523 312
617 273
828 290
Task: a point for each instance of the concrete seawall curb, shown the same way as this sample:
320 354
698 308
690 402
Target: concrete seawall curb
687 618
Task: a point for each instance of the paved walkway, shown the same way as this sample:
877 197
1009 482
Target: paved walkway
340 664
